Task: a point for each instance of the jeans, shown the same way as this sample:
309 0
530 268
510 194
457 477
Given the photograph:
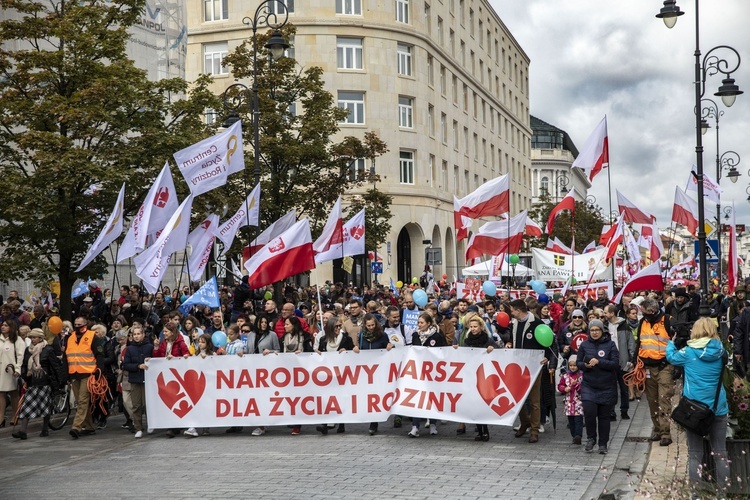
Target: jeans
624 392
717 438
597 418
576 425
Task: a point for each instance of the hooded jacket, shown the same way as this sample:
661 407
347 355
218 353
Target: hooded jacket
600 382
625 340
702 361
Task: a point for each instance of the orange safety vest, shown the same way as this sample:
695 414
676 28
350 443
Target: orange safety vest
80 354
653 340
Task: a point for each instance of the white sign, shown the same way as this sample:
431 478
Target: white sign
586 291
462 385
551 266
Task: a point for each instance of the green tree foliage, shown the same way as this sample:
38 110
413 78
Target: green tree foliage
301 166
588 223
77 119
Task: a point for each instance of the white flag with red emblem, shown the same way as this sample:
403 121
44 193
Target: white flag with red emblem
632 212
567 203
272 231
648 278
491 198
594 156
685 211
329 244
246 215
110 232
152 216
354 235
288 254
497 237
201 241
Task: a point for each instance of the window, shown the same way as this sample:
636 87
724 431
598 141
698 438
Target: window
444 175
405 112
357 169
466 98
289 52
481 34
454 89
349 53
476 147
431 167
456 185
484 151
471 22
354 102
213 57
455 135
430 76
444 128
461 11
466 141
431 120
406 164
216 10
452 42
402 11
427 18
440 30
210 116
462 54
349 7
443 83
404 59
277 6
545 185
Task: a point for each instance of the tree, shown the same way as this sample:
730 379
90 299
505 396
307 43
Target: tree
588 223
77 119
301 166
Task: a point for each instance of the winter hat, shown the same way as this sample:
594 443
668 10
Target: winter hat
556 296
573 358
598 323
578 313
36 332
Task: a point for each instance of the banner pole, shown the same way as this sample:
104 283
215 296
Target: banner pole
320 302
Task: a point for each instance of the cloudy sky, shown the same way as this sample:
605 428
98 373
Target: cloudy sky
595 57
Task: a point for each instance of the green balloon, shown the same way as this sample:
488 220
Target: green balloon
544 335
514 259
415 280
268 295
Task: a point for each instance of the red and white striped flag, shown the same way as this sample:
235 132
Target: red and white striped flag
632 212
272 231
557 246
497 237
614 237
532 228
651 241
491 198
567 203
732 271
685 211
590 247
594 156
288 254
329 244
648 278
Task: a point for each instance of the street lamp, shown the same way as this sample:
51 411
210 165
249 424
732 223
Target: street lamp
591 201
562 182
728 91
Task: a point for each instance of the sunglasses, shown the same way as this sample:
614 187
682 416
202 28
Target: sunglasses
245 331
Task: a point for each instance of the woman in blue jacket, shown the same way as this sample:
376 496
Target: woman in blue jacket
703 364
137 353
599 361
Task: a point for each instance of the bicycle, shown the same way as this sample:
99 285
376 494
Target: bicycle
61 408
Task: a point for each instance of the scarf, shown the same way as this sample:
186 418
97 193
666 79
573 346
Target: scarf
35 366
292 343
476 340
333 346
371 336
423 336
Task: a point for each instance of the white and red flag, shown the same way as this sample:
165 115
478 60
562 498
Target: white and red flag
152 216
110 232
711 189
491 198
532 228
632 212
567 203
614 237
329 244
590 247
247 215
374 256
651 240
272 231
201 241
594 156
497 237
685 211
648 278
732 258
557 246
354 234
288 254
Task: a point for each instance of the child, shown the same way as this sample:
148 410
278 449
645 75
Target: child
205 348
570 385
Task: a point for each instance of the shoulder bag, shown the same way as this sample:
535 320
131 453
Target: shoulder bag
696 416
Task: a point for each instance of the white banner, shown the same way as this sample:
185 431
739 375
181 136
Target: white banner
464 385
585 291
551 266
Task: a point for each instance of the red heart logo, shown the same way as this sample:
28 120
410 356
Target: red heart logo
193 383
169 393
494 388
182 409
175 393
517 380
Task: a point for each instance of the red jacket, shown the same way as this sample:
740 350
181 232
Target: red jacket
279 326
179 348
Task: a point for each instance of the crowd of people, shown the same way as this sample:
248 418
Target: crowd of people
597 344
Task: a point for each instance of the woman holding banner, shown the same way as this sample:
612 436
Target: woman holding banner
334 340
295 340
427 335
372 336
262 340
479 337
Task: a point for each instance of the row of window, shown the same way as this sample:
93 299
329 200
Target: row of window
218 10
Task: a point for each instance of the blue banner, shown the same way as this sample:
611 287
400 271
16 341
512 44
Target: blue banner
207 295
393 288
80 289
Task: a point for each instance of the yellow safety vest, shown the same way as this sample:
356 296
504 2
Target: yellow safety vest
80 354
653 340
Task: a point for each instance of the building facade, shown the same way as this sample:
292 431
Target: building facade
442 82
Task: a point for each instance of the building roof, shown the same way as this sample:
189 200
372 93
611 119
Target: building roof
546 136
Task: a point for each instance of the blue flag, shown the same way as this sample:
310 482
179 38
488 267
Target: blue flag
207 295
393 288
80 289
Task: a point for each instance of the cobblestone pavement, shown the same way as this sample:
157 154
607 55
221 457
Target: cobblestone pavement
112 464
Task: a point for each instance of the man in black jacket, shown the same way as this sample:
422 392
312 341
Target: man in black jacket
683 315
242 293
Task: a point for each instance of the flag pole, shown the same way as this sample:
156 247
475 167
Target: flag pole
184 259
115 281
320 302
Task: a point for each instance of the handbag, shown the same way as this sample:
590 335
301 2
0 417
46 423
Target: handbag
696 416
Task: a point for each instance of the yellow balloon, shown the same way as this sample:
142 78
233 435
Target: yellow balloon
399 284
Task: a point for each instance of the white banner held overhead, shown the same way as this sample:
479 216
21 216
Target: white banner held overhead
464 385
586 291
551 266
207 164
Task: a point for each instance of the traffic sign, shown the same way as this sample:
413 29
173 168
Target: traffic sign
712 251
709 227
377 267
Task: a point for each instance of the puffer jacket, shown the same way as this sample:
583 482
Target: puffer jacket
135 355
703 364
600 382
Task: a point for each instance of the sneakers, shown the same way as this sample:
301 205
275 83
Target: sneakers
102 424
602 449
624 415
433 430
149 431
414 432
341 429
233 430
373 429
589 445
541 428
191 432
323 429
516 427
259 431
139 434
126 425
19 435
74 433
427 424
296 430
613 417
397 422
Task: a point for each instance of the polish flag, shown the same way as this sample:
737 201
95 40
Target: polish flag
491 198
648 278
711 189
732 274
685 211
614 237
594 156
682 265
329 244
373 255
603 238
590 247
567 203
497 237
557 246
272 231
288 254
632 212
651 241
532 228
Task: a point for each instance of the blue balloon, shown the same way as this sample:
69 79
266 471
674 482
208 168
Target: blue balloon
183 298
538 286
420 298
542 298
489 288
219 339
507 258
